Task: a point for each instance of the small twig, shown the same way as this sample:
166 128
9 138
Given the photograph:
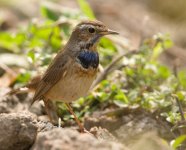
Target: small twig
123 111
180 109
175 70
106 71
175 67
48 42
8 69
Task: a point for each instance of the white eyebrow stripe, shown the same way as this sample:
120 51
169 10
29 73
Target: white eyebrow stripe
86 26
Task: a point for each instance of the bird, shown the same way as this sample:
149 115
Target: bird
71 73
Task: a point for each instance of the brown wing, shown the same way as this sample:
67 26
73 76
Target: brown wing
51 76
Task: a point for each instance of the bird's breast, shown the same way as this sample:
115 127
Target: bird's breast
88 59
74 83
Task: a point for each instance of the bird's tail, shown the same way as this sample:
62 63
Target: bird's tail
31 86
18 90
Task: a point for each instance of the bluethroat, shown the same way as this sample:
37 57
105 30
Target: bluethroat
73 70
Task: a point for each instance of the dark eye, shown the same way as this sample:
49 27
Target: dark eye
91 30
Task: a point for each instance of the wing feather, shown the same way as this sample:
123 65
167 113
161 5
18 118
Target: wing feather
51 76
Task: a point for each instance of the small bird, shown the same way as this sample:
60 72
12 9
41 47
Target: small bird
73 70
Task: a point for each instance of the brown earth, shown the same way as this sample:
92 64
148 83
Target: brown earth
22 129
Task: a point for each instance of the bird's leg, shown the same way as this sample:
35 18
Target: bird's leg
75 117
51 110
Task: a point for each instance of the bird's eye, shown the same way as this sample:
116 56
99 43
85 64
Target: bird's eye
91 30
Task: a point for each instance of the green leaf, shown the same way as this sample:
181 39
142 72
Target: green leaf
20 38
120 103
182 78
107 43
43 33
48 13
23 77
56 39
163 72
163 41
121 97
178 141
31 56
7 42
102 96
180 95
168 43
86 9
35 42
157 50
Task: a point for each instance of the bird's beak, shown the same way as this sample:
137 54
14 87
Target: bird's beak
111 32
108 32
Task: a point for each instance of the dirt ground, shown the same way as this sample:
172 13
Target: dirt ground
28 128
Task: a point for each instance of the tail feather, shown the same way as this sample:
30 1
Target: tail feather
31 86
17 91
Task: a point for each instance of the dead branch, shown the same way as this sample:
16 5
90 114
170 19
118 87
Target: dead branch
175 71
106 71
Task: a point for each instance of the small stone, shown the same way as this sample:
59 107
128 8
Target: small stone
68 139
17 131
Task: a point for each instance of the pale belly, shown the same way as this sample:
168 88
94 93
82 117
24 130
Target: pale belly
71 87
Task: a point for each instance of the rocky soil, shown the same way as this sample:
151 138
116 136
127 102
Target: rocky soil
25 128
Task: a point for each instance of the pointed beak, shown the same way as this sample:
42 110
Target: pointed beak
111 32
107 32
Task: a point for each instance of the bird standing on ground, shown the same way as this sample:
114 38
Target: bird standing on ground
73 70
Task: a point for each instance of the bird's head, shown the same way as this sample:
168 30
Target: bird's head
88 33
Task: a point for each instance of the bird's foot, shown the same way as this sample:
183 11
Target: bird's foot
83 130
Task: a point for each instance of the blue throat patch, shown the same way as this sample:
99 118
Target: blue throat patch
89 59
